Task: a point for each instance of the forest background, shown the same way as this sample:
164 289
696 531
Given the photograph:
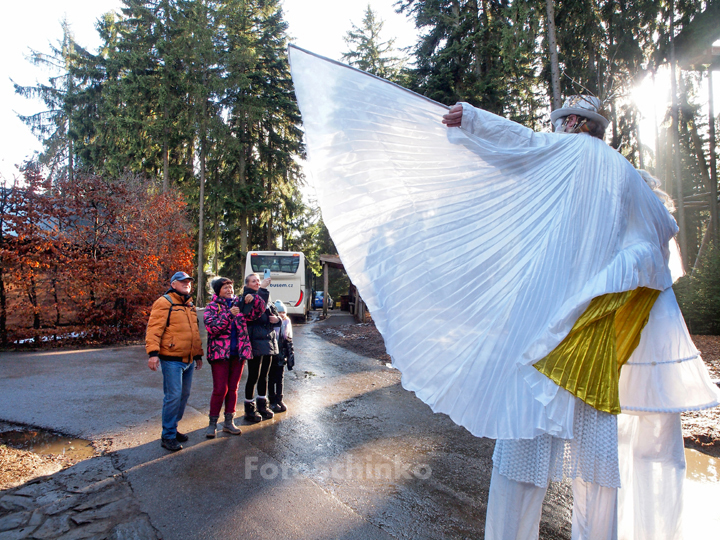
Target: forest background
179 142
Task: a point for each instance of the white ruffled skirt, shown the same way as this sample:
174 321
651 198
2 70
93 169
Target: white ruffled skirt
665 373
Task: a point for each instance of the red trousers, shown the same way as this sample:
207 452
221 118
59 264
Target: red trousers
226 379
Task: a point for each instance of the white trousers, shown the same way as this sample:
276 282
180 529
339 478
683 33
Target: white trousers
514 510
652 470
647 507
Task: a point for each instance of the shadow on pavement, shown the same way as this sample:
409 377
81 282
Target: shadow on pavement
355 457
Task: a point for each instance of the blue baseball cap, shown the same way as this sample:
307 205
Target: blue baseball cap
180 276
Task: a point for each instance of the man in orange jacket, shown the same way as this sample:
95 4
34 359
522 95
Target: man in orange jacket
172 342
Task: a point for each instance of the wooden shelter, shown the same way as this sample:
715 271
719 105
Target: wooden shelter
359 308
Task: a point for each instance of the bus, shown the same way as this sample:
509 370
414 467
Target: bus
290 282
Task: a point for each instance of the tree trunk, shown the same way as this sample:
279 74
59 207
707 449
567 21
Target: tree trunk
703 245
713 158
244 214
201 218
659 168
190 158
216 225
712 193
71 164
326 272
483 62
682 235
54 283
554 64
32 296
166 165
269 240
71 149
615 143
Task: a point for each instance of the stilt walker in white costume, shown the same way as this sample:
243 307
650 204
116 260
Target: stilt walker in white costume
524 467
661 378
559 250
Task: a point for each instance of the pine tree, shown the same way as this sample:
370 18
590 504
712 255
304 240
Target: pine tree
264 121
53 126
480 51
367 50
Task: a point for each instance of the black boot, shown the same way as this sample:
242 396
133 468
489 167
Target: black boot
278 405
262 408
251 414
171 444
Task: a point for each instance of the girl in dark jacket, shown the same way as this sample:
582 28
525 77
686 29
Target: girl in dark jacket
228 348
286 357
264 347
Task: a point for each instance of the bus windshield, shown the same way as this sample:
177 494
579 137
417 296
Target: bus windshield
276 263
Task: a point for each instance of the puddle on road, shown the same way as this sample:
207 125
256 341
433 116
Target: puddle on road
701 467
702 491
47 443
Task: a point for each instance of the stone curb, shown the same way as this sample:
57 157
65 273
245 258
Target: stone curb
90 500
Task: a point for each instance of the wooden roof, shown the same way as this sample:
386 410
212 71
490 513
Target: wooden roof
332 261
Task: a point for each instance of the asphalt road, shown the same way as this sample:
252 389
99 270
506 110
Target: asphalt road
355 456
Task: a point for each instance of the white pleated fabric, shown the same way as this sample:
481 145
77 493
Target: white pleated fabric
475 249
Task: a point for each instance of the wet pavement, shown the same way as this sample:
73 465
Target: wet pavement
701 516
355 456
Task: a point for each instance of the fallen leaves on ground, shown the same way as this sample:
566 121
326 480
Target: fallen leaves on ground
20 466
362 338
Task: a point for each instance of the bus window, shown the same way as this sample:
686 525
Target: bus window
276 263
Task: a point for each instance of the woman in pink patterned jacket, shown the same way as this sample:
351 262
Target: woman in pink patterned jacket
227 349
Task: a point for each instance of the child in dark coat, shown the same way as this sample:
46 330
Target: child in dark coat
285 357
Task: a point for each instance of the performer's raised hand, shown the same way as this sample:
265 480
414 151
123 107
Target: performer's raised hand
454 116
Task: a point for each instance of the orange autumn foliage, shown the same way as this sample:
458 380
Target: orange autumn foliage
87 258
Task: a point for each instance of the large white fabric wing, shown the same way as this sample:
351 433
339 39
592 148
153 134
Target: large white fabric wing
475 249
